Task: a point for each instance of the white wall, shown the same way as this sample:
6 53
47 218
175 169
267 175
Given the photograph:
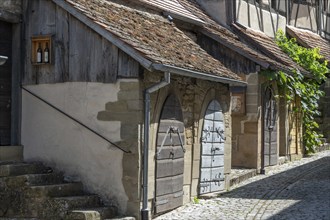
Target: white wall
51 137
216 9
245 10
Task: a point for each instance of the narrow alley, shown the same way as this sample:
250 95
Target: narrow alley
296 190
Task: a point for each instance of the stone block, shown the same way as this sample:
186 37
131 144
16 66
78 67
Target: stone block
130 95
196 169
119 106
129 86
196 151
194 187
186 194
120 116
251 127
252 99
13 153
135 105
251 108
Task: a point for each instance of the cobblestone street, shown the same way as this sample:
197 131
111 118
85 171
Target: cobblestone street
294 190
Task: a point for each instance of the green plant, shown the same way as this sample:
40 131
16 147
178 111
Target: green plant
196 200
294 85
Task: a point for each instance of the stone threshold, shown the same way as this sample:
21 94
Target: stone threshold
11 153
238 175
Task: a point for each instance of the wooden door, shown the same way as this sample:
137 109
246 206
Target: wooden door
169 157
5 83
212 152
270 128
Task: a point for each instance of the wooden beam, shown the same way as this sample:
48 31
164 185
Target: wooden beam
225 42
106 34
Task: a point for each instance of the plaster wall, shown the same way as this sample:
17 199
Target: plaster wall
216 9
303 16
251 16
56 140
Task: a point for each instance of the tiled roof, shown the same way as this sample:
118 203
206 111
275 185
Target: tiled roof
311 40
153 36
267 45
227 37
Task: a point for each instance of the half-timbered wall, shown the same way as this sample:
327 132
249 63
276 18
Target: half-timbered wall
78 53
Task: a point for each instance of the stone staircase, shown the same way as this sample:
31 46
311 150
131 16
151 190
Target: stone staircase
32 191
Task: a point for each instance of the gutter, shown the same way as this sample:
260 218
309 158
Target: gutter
3 59
147 92
197 75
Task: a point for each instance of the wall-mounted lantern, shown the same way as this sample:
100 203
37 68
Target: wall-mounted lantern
238 100
3 59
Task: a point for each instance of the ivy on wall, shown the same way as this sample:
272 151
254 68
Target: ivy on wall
306 88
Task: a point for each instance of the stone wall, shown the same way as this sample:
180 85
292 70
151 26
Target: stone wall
246 131
194 96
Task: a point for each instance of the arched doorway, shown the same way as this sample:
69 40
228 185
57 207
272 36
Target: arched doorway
212 150
169 157
270 127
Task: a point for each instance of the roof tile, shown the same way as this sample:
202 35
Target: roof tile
152 36
311 40
225 35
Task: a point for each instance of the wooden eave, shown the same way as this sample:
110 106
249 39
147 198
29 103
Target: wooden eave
101 29
225 42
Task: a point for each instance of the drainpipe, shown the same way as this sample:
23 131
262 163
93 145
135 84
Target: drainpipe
147 92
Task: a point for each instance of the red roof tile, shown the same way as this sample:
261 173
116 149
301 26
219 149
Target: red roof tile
311 40
153 36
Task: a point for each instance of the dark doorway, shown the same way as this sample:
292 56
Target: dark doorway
270 127
5 83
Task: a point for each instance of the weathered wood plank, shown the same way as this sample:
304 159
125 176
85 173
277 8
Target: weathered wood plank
46 26
61 46
127 67
29 77
106 34
236 60
110 57
79 54
97 63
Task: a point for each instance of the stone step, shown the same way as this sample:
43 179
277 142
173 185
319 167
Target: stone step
15 169
98 213
19 219
73 202
32 179
55 190
11 153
